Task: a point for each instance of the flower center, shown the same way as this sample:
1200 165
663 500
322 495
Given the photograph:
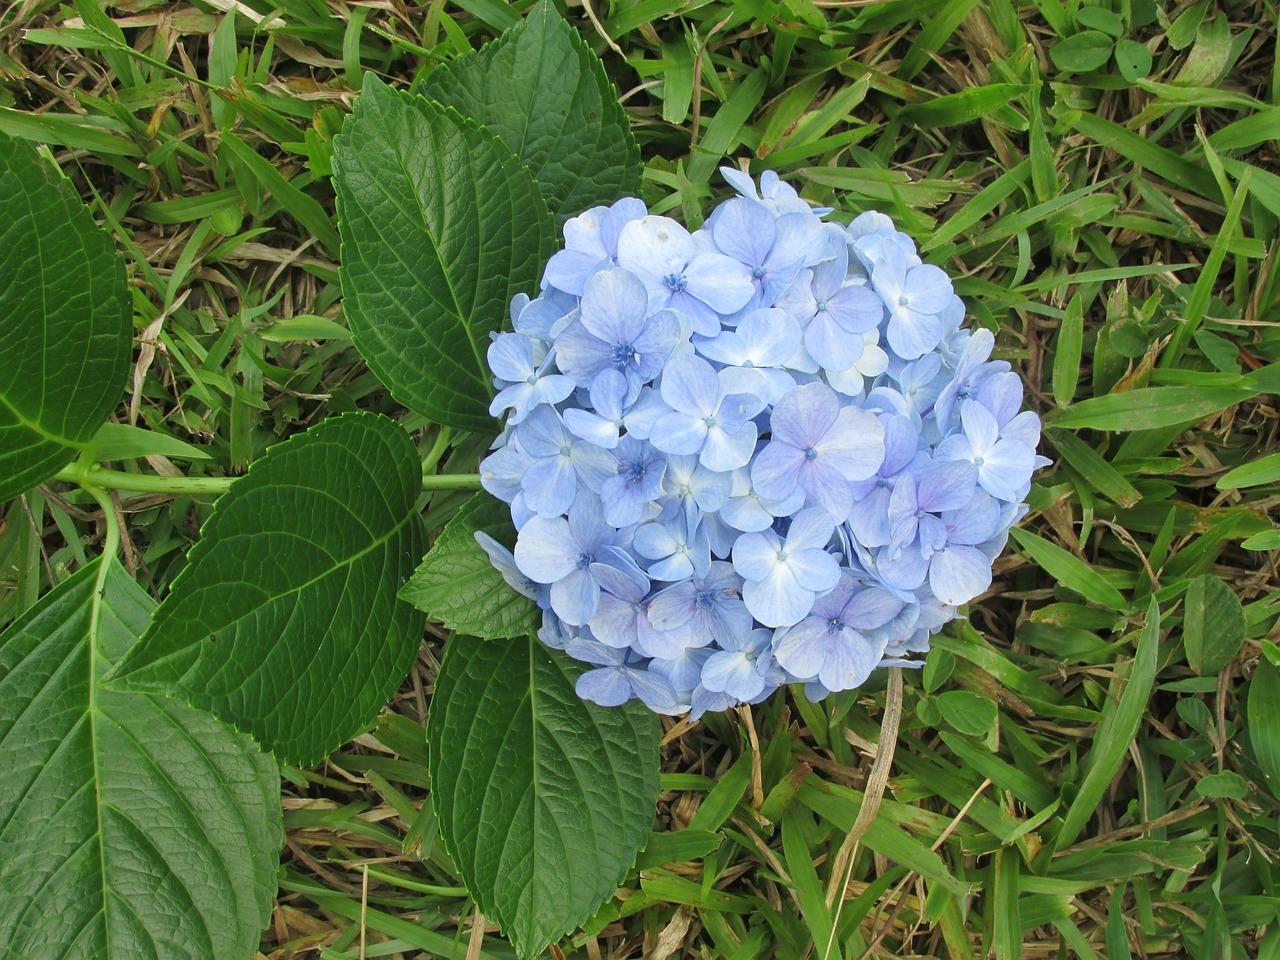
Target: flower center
675 282
621 354
584 560
978 461
532 378
835 625
633 470
758 272
811 454
903 300
782 556
704 599
709 421
822 305
564 451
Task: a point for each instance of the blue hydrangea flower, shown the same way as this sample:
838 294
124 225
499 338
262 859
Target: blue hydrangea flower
740 666
683 274
760 453
575 556
839 642
915 296
819 446
615 331
705 417
591 244
783 577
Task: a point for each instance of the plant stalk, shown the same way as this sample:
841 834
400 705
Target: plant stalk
102 478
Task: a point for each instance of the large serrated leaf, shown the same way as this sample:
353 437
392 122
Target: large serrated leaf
545 93
285 623
64 321
458 586
441 226
543 799
132 827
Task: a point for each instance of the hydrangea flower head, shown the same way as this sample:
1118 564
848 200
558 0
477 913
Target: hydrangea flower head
763 452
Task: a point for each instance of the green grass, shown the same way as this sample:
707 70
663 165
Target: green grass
1075 774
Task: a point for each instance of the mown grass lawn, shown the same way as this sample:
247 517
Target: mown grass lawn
1087 766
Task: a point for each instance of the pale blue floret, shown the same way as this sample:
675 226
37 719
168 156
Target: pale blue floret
839 642
628 495
705 418
575 556
915 297
681 273
678 548
560 464
709 606
754 353
616 332
1003 464
772 249
783 577
591 244
740 666
833 312
620 676
819 446
527 384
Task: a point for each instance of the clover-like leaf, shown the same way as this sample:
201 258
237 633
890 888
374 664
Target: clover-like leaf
457 584
545 93
441 226
1213 625
64 321
132 827
543 799
285 622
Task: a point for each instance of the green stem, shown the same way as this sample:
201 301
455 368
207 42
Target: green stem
94 476
102 478
451 481
437 450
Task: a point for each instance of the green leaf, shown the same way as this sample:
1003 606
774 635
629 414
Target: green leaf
1100 18
1263 713
1120 721
132 827
1066 355
545 93
285 622
1267 540
1152 407
458 586
543 798
441 226
1227 785
1213 626
1070 570
962 107
1263 470
968 712
1133 60
1083 52
120 441
65 321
